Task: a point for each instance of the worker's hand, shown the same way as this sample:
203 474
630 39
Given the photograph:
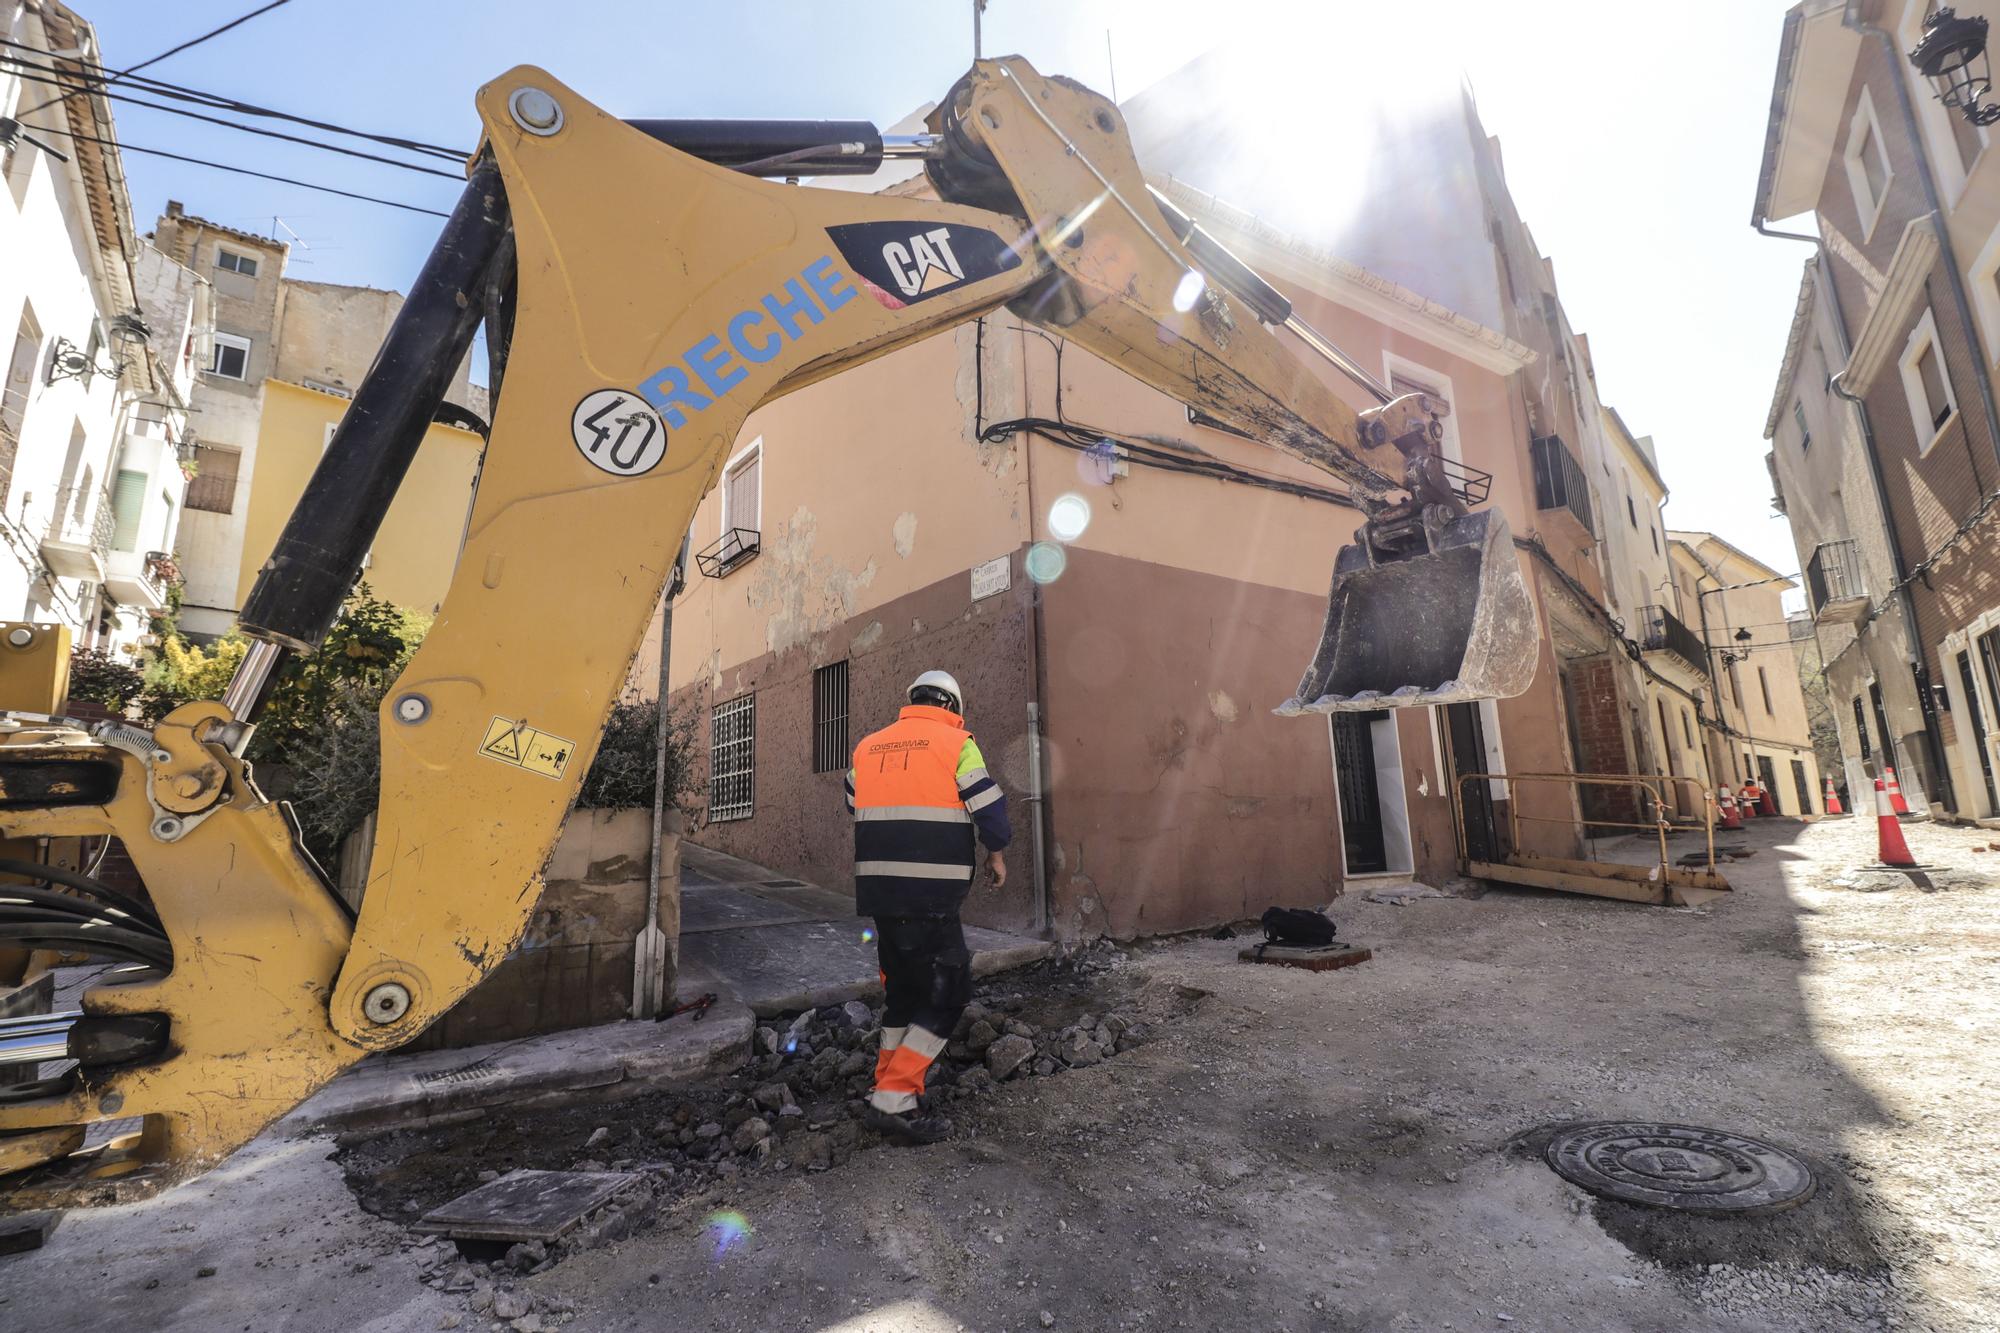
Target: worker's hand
998 865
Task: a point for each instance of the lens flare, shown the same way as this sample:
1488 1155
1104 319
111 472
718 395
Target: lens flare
791 1045
1068 517
1046 562
728 1229
1189 290
867 935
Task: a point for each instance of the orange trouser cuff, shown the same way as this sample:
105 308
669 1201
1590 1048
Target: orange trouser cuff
900 1071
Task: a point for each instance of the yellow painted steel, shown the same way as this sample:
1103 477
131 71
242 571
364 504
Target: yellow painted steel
630 255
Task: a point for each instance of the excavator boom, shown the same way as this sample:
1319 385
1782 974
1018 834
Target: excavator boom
640 300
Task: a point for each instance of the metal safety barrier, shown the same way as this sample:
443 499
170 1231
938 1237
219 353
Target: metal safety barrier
1663 882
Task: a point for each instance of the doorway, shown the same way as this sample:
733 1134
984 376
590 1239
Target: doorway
1767 779
1368 779
1465 733
1977 719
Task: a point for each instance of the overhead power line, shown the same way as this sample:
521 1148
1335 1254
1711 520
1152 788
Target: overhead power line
245 171
95 73
19 65
176 50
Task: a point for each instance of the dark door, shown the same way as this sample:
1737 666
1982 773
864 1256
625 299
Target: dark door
1768 777
1976 718
1467 736
1805 788
1360 801
1889 758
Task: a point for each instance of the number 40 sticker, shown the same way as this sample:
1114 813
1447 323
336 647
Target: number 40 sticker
522 746
618 432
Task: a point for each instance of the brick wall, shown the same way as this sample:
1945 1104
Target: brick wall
1601 743
1928 493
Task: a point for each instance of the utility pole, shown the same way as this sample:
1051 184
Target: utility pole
978 8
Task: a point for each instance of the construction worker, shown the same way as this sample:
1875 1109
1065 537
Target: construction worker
918 791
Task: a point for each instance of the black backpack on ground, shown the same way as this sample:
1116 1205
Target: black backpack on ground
1296 925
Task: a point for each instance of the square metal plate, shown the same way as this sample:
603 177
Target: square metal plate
526 1205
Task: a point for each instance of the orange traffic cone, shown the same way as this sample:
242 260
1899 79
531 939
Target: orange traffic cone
1730 819
1833 799
1891 850
1746 804
1896 801
1765 805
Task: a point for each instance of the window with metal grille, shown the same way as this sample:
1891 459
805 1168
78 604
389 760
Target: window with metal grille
732 760
830 748
1799 420
1687 727
1861 729
214 485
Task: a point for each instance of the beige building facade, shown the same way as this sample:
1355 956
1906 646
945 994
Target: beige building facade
1760 730
283 357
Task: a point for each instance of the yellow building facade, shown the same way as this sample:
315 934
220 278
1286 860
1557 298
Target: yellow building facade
414 553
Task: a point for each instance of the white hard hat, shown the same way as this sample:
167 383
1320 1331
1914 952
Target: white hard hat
942 682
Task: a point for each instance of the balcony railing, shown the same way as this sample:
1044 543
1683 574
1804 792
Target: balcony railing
1664 633
1559 482
1833 578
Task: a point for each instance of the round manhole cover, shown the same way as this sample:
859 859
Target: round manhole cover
1680 1166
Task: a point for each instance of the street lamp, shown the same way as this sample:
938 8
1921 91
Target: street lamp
128 333
1952 55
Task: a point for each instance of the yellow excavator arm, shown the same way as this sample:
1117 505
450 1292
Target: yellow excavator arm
640 301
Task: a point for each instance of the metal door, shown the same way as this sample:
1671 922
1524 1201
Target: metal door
1767 777
1467 737
1805 788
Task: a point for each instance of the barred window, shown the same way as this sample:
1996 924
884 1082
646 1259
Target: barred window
732 760
830 747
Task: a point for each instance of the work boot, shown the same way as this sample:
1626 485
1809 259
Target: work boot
908 1128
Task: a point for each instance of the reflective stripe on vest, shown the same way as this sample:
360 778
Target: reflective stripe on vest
913 838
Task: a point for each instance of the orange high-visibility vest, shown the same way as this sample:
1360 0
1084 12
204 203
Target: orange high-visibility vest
913 837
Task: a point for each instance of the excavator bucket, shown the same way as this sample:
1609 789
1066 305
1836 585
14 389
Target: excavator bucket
1443 626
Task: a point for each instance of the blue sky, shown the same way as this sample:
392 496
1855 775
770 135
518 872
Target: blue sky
1632 135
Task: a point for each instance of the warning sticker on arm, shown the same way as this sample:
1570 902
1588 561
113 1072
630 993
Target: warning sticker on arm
523 746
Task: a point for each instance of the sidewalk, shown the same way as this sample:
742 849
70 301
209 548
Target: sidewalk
780 945
762 943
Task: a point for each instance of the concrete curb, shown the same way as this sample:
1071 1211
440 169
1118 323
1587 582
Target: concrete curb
614 1060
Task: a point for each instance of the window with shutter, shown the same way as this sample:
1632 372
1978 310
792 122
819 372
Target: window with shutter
214 486
128 501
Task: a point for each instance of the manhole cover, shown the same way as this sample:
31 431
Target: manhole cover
1680 1166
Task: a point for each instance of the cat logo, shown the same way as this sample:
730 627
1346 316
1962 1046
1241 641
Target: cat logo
902 263
924 263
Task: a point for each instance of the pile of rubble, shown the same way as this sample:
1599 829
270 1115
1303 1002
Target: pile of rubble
795 1104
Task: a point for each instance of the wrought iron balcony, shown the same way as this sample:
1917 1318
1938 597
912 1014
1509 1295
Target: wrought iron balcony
1664 633
1833 579
1559 481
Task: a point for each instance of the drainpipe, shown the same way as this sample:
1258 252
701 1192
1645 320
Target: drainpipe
1037 794
1851 19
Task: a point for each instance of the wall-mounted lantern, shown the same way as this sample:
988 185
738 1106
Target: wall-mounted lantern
1952 55
128 333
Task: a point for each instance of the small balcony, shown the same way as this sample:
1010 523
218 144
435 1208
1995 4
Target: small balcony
1664 633
77 533
1833 580
1559 481
139 580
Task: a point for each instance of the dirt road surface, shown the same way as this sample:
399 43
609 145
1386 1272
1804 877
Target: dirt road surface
1361 1150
